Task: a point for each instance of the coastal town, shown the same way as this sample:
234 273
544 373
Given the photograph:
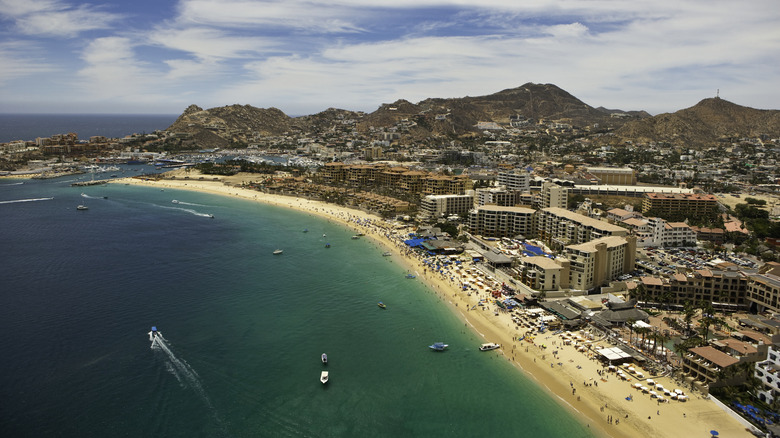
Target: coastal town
636 280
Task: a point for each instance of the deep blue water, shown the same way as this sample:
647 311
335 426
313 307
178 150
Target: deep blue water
30 126
244 328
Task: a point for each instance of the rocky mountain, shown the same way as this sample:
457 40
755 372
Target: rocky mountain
218 127
705 124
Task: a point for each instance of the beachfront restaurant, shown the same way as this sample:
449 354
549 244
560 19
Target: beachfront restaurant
619 354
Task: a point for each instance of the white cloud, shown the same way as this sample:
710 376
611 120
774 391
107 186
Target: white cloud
208 43
21 59
55 18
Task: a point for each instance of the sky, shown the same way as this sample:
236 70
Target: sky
304 56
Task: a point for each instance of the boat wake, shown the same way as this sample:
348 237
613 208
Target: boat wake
84 195
189 203
191 211
11 184
15 201
183 372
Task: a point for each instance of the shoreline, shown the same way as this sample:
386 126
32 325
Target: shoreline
594 397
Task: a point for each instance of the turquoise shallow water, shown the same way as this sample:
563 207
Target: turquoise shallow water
243 329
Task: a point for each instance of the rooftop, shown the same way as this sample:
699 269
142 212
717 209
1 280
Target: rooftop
714 355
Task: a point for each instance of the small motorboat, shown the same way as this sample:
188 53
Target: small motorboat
278 251
410 276
82 207
324 377
306 230
355 237
438 346
382 305
489 346
175 201
387 254
324 358
154 333
324 235
327 245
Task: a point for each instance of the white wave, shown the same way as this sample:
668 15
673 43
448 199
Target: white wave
25 200
190 211
12 184
190 203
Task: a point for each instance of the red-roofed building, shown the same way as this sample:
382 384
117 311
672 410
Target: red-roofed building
690 204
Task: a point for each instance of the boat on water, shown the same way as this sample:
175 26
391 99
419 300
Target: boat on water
174 201
387 254
154 333
82 207
324 358
382 305
355 237
327 245
489 346
278 251
410 276
438 346
324 377
324 235
306 230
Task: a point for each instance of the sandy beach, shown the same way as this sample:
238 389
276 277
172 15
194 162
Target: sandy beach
563 363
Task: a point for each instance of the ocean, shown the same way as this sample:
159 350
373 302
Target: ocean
243 329
30 126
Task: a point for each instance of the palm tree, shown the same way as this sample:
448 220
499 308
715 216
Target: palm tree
630 323
689 311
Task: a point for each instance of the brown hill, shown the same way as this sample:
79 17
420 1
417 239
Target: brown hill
537 102
222 125
704 124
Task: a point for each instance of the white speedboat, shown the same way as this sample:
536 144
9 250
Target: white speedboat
278 251
324 377
324 358
82 207
154 333
438 346
489 346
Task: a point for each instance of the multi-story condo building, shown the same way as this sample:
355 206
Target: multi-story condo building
543 273
725 289
497 196
598 261
768 372
704 364
554 195
446 184
435 206
690 204
515 180
332 173
764 291
411 182
659 232
499 221
621 176
561 227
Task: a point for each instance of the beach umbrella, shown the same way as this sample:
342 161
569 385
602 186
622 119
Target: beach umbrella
714 432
